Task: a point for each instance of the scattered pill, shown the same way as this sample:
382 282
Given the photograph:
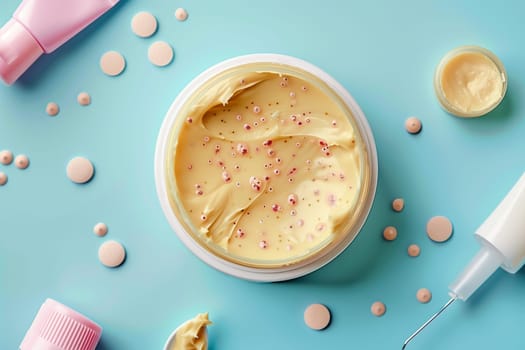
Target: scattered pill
439 229
423 295
181 14
80 170
6 157
378 309
111 253
52 109
3 178
21 161
413 250
112 63
398 204
413 125
144 24
317 316
390 233
100 229
83 99
160 53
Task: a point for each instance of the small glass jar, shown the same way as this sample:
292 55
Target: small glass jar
167 188
470 81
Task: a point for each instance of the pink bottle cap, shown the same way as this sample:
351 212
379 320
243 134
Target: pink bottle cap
18 50
57 327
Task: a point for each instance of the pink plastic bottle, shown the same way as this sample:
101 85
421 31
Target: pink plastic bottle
41 26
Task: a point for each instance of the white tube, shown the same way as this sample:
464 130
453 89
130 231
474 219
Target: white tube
504 229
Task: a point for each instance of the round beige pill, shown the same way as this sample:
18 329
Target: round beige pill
6 157
439 229
80 170
111 253
160 53
398 204
390 233
100 229
317 316
424 295
413 250
144 24
378 309
83 99
413 125
21 161
112 63
52 109
181 14
3 178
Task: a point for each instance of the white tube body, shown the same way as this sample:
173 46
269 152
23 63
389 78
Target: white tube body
502 239
504 229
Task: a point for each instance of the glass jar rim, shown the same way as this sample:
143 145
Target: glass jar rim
438 89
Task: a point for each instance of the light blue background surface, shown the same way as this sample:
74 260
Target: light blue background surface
384 53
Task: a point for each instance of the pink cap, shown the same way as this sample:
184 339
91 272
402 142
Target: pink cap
18 50
57 327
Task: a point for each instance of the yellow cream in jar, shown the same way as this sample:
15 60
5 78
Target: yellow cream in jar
470 81
192 334
267 167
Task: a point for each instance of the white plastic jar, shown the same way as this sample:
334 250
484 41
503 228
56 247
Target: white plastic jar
295 265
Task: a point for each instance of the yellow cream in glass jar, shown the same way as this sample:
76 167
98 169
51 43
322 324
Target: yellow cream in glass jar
470 81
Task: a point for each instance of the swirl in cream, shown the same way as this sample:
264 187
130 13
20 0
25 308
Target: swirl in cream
267 166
